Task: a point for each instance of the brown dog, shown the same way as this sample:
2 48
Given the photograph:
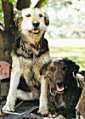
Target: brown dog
30 54
80 108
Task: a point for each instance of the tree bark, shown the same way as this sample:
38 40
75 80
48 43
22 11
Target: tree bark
8 14
10 27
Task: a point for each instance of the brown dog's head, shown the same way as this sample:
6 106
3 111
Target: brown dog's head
32 23
61 75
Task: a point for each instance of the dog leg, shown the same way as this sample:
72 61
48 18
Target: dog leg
43 106
15 77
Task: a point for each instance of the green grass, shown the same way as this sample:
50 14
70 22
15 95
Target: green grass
76 54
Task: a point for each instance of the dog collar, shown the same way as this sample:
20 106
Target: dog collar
21 50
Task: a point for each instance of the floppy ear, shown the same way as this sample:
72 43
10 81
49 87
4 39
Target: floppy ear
72 66
76 69
46 19
52 67
17 17
45 67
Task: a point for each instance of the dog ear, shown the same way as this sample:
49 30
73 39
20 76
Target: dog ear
72 66
76 69
17 17
52 67
45 67
46 19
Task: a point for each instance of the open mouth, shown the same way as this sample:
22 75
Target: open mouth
35 31
59 87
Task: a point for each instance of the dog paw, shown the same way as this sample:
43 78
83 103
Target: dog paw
60 117
43 111
52 115
8 107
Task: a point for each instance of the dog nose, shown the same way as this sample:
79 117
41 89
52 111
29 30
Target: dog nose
35 24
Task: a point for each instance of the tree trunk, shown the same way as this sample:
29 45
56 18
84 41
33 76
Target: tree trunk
8 14
9 18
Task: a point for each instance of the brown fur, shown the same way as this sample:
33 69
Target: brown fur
80 108
30 54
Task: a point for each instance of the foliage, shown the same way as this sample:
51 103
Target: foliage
68 19
1 15
13 1
41 3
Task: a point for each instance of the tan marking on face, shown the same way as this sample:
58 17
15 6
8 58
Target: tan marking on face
33 25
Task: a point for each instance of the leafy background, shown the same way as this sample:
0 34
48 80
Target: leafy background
1 16
67 20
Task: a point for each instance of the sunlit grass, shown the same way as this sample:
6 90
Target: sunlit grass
76 54
73 49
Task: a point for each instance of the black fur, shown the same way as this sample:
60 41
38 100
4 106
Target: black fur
64 71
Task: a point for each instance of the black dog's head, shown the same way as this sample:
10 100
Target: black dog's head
61 75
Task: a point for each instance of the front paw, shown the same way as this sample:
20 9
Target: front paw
43 110
8 107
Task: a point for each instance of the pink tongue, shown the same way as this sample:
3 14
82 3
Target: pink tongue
35 30
59 88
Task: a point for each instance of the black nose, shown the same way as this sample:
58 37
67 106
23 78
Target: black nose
36 24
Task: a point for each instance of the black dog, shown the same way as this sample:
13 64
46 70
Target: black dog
63 89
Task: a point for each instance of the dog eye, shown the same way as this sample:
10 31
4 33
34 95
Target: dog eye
40 15
28 15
